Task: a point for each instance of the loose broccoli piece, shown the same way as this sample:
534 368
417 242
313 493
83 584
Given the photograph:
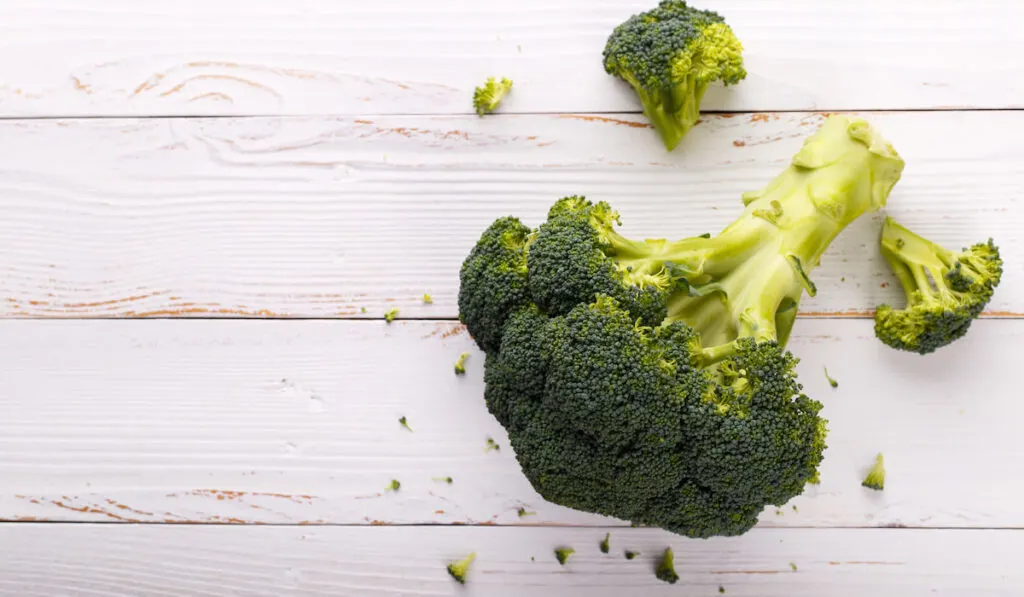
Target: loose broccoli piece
666 569
669 55
428 300
876 477
447 480
831 382
460 364
631 554
946 291
404 423
487 97
562 554
362 309
395 485
606 543
390 315
793 566
459 569
492 445
523 512
648 380
721 589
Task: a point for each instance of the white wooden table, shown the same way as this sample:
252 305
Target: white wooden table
199 198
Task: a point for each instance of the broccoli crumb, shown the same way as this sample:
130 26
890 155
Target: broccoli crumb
795 510
562 554
362 309
395 485
831 382
404 423
447 480
606 543
793 566
460 365
487 97
876 477
779 512
666 570
492 445
631 554
459 569
523 512
721 589
428 300
390 315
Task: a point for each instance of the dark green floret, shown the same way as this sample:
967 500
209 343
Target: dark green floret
648 380
946 290
669 55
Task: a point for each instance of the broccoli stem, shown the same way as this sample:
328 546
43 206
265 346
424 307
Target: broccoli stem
672 112
919 264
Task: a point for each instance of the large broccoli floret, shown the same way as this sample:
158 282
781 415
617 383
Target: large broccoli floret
946 290
648 380
670 55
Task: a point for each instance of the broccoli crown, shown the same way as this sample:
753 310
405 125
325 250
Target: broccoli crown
458 570
487 97
666 569
562 554
875 478
945 290
648 380
670 55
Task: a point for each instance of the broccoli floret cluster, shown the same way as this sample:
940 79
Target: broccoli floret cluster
669 55
946 290
648 380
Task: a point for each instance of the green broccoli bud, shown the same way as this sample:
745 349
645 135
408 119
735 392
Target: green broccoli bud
447 480
876 477
631 554
523 512
428 300
793 566
831 382
606 543
492 445
459 569
945 290
404 423
670 55
362 309
395 485
562 554
721 589
460 364
487 97
390 315
666 569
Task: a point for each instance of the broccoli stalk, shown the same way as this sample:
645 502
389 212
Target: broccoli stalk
945 290
487 97
876 476
669 55
459 569
606 543
460 364
666 569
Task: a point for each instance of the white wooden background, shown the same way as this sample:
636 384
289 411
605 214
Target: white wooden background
198 200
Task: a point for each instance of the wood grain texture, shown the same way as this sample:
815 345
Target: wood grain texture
148 560
324 217
296 422
203 57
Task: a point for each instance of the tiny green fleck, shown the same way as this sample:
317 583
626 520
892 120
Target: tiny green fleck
721 589
562 554
390 315
362 309
843 279
460 364
779 512
404 423
428 300
447 480
606 543
523 512
394 486
793 566
794 509
831 382
900 243
631 554
492 445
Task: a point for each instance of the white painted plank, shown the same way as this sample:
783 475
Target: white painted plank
320 217
201 57
297 422
159 560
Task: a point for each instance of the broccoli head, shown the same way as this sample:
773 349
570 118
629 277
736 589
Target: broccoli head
648 380
459 570
669 55
946 290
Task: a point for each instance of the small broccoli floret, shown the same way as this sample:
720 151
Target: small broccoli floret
447 480
792 566
876 477
648 380
460 364
487 97
669 55
666 569
523 512
946 290
362 309
404 423
492 445
606 543
630 554
721 589
395 485
562 554
390 315
831 382
428 300
459 569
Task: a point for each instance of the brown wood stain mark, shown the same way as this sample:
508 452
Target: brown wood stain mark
241 80
120 506
745 572
107 303
214 95
438 511
90 510
867 563
763 117
739 143
363 121
378 523
80 86
148 84
629 123
206 311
